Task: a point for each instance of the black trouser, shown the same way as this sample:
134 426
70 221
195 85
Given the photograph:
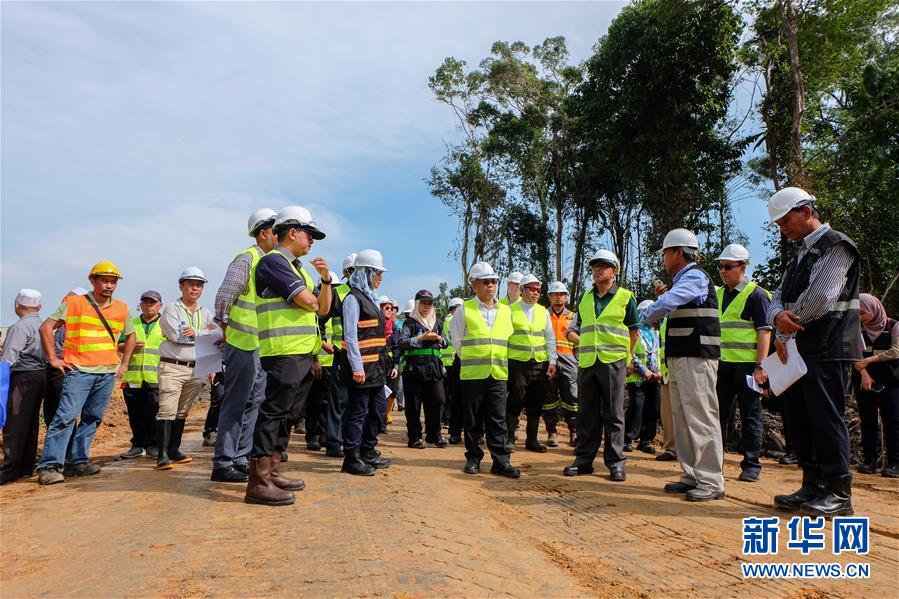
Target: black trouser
366 409
317 408
26 390
216 394
142 403
447 397
732 391
642 416
457 411
600 392
427 394
484 402
814 407
887 403
52 395
527 391
287 382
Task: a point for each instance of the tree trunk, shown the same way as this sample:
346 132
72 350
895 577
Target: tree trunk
770 133
560 230
795 166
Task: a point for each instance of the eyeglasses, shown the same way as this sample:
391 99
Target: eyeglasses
727 267
489 281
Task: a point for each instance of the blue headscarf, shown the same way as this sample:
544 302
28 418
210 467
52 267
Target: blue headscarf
361 279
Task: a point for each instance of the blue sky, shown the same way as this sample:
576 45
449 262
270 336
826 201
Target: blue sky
146 133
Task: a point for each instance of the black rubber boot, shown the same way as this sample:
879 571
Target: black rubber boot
533 427
835 501
352 464
811 488
163 433
175 443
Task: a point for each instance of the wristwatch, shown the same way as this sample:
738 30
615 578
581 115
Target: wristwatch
324 282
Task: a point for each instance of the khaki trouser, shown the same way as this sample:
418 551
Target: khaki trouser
668 444
697 429
177 391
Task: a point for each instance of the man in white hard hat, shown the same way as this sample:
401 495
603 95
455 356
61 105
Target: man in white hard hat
27 381
451 362
692 349
561 392
243 386
532 360
337 392
480 335
513 288
817 306
745 340
181 322
605 331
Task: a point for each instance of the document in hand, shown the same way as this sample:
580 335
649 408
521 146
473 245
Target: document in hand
208 352
780 375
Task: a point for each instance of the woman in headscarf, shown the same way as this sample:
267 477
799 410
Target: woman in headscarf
365 367
877 386
421 341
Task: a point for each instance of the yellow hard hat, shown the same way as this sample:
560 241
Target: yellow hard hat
105 268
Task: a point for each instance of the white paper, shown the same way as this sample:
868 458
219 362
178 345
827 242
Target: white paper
750 382
781 376
208 353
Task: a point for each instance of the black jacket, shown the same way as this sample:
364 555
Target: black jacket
422 363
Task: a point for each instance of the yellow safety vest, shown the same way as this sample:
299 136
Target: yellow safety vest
324 358
143 366
738 337
337 320
484 352
604 337
448 354
529 338
285 329
242 327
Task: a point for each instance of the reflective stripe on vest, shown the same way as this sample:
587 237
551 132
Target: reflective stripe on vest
738 337
242 327
87 342
285 329
604 337
483 352
447 354
143 365
561 323
528 339
640 353
337 320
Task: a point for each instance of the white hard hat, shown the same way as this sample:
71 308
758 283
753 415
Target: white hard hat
410 305
456 302
481 270
28 298
557 287
606 256
394 304
515 277
192 273
299 217
680 238
528 279
333 276
383 299
785 200
643 305
735 252
348 261
262 217
371 259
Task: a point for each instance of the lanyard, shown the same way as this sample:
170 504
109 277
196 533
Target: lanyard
190 318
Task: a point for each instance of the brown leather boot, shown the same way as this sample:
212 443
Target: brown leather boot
281 481
260 488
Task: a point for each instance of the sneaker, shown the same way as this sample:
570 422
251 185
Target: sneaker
82 469
134 452
209 439
152 453
50 476
749 476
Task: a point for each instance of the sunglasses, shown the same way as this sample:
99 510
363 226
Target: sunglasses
728 267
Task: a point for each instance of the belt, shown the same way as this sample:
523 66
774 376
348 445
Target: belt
190 364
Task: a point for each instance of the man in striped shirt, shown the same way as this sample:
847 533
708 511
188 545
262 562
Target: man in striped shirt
817 305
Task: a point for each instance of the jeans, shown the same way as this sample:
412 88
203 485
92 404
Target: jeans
85 395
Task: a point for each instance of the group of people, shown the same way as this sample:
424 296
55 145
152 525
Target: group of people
335 356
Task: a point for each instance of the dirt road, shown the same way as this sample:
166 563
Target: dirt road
418 529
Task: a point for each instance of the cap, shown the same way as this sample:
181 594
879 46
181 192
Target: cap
153 295
29 298
425 295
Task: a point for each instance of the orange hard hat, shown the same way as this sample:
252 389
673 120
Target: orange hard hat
105 268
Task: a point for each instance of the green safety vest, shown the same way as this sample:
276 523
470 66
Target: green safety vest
143 365
448 354
337 320
484 353
640 353
604 337
738 337
241 331
529 338
324 358
662 365
285 329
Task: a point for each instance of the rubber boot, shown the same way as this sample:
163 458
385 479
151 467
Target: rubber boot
175 443
533 427
163 433
835 501
282 482
811 488
261 489
353 464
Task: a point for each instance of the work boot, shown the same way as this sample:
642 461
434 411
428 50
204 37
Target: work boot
811 488
788 459
334 452
50 475
552 435
261 489
455 440
209 439
353 464
175 443
571 423
372 457
891 471
134 452
835 501
280 481
82 469
163 434
531 443
869 467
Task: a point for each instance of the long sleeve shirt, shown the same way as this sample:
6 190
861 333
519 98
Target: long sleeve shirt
350 332
235 283
459 328
549 332
826 281
688 285
22 345
175 318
